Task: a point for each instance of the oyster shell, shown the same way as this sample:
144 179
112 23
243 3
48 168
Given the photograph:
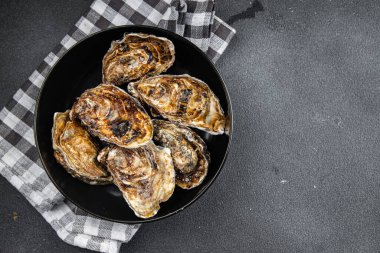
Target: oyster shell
188 150
114 116
183 99
144 175
75 150
135 56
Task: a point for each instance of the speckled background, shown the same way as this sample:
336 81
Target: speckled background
303 172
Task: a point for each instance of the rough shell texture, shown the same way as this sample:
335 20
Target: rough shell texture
183 99
135 56
188 150
76 151
145 176
114 116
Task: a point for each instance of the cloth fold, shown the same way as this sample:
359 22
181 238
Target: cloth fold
19 161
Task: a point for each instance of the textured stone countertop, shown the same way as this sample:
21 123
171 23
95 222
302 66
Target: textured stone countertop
303 174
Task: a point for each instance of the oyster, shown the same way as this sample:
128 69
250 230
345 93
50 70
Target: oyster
75 150
135 56
188 150
144 175
114 116
183 99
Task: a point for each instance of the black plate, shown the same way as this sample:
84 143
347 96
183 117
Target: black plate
80 69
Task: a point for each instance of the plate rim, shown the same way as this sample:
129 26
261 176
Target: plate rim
230 118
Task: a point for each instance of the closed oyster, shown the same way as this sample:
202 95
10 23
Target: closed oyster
114 116
135 56
188 150
144 175
183 99
75 150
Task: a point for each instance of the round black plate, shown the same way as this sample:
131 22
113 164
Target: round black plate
80 69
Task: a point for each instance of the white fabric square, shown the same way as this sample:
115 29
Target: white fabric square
36 171
155 16
37 79
29 136
99 7
16 182
120 20
36 198
24 100
118 232
68 42
198 19
81 240
85 25
51 59
8 118
91 226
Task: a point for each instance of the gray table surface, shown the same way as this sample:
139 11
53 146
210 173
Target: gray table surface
303 172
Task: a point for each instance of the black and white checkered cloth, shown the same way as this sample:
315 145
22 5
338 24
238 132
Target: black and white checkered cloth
19 162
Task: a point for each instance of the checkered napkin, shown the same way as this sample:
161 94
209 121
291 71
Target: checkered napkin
19 162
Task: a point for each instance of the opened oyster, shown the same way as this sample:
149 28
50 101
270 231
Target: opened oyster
145 176
182 98
114 116
137 55
188 150
75 150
